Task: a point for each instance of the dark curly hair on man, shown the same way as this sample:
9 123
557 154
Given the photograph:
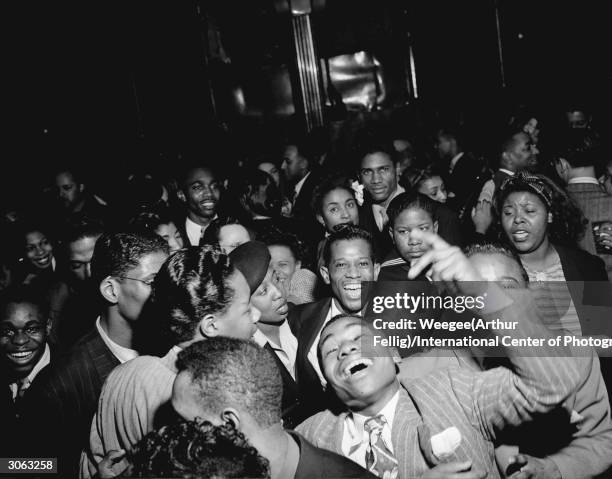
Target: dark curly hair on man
348 233
229 372
192 283
116 253
568 222
276 237
197 449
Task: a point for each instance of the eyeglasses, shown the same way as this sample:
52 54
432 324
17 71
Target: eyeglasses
148 282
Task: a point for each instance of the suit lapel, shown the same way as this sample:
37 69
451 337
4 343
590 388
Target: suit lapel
313 326
103 361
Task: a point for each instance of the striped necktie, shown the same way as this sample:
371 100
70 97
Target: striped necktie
379 458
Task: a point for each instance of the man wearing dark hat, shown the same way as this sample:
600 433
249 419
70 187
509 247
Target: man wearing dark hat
199 293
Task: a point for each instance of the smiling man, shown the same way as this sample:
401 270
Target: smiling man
64 396
199 293
349 261
200 191
403 432
24 327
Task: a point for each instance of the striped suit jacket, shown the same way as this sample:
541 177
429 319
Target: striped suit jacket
63 399
479 404
596 205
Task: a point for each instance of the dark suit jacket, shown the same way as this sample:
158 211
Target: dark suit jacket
596 204
579 265
302 204
381 239
14 437
317 463
63 399
465 179
307 321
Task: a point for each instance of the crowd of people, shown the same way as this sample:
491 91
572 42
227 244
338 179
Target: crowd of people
212 323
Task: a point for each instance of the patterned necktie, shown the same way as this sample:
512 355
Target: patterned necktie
380 217
379 458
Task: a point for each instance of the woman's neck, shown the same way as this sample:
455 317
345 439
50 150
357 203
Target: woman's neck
539 259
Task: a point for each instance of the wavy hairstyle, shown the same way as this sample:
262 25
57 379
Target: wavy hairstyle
192 283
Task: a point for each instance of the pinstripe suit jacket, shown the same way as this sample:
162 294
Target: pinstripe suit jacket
478 404
596 205
63 400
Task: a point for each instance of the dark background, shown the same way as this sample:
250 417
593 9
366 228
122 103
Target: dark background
117 84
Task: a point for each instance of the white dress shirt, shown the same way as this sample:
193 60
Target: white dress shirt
194 231
298 187
354 432
380 210
123 354
27 381
286 351
312 353
454 161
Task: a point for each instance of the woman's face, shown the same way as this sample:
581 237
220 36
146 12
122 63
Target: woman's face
338 207
524 218
283 263
434 188
171 235
410 220
38 250
271 169
232 236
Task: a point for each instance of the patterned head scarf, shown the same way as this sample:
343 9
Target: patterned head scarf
524 181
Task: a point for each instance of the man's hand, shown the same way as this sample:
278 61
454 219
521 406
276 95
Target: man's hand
454 470
482 216
530 467
448 265
110 466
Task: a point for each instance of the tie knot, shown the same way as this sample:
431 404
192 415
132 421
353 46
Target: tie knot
375 424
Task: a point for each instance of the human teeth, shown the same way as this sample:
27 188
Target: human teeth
353 286
21 355
357 362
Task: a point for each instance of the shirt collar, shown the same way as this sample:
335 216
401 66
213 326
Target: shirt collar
508 172
44 360
121 353
398 191
356 421
583 179
298 187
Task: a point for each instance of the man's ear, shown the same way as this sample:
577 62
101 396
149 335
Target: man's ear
208 326
181 196
435 227
324 274
231 416
109 288
376 270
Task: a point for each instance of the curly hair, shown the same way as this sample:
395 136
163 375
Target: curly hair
150 219
348 233
327 185
116 253
192 283
198 449
229 372
410 200
277 237
568 222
